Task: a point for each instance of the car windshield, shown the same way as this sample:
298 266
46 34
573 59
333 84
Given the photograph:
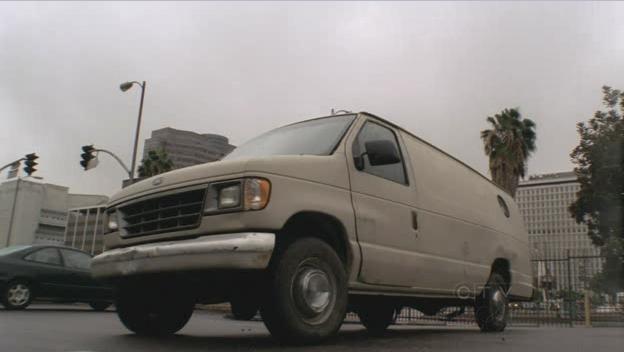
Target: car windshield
11 249
312 137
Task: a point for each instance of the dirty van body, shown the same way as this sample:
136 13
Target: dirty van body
312 220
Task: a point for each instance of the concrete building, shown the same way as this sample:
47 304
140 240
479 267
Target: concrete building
186 148
32 211
563 255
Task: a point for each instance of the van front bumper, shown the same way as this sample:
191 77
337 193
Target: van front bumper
247 250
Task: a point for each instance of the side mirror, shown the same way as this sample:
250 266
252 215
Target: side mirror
380 152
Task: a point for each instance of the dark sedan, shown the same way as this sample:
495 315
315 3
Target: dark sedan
49 273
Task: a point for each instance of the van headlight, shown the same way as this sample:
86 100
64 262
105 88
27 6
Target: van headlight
229 197
251 193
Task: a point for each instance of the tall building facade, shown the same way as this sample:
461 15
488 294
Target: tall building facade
35 212
187 148
562 253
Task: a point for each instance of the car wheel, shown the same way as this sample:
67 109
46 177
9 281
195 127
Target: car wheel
244 309
376 317
17 295
306 298
491 311
100 306
148 310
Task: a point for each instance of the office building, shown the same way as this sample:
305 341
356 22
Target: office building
562 253
32 211
186 148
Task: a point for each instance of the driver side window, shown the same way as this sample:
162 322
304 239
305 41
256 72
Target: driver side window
373 132
76 260
46 256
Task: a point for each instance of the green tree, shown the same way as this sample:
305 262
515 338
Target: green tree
599 160
508 144
602 284
157 162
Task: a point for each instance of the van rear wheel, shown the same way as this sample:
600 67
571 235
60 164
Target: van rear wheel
148 310
491 310
99 306
376 317
244 309
306 298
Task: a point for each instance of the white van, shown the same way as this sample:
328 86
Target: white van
309 221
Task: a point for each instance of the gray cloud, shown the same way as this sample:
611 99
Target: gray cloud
238 69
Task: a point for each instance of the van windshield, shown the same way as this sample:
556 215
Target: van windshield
312 137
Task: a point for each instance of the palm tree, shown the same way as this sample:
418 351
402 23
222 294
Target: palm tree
157 162
508 144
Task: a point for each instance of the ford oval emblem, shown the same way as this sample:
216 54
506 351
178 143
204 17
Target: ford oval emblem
157 181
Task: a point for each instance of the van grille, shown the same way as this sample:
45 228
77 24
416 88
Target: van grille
174 212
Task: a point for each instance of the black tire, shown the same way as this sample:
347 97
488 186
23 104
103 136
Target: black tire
377 316
151 310
491 311
244 309
99 306
17 295
305 300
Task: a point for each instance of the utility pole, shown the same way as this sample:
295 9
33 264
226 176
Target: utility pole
9 233
570 289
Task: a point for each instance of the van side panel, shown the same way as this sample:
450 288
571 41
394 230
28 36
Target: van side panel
453 198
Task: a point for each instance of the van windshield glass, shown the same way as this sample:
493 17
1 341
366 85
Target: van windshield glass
313 137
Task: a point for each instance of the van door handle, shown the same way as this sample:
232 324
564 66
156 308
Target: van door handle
415 221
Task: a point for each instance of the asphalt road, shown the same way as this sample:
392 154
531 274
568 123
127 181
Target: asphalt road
57 328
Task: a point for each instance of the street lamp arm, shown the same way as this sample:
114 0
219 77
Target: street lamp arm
116 158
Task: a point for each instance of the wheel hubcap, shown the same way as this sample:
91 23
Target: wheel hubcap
18 295
499 305
314 287
313 293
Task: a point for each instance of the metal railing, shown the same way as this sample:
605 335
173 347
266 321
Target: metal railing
564 298
84 229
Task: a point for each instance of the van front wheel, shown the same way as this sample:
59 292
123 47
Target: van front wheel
306 298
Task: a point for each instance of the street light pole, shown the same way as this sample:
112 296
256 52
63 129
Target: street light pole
136 135
10 232
124 87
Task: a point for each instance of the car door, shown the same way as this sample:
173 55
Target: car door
78 264
45 266
381 194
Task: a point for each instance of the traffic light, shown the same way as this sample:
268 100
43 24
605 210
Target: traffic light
30 163
89 160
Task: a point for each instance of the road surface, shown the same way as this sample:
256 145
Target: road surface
72 328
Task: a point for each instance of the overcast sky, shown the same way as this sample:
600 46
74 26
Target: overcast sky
238 69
